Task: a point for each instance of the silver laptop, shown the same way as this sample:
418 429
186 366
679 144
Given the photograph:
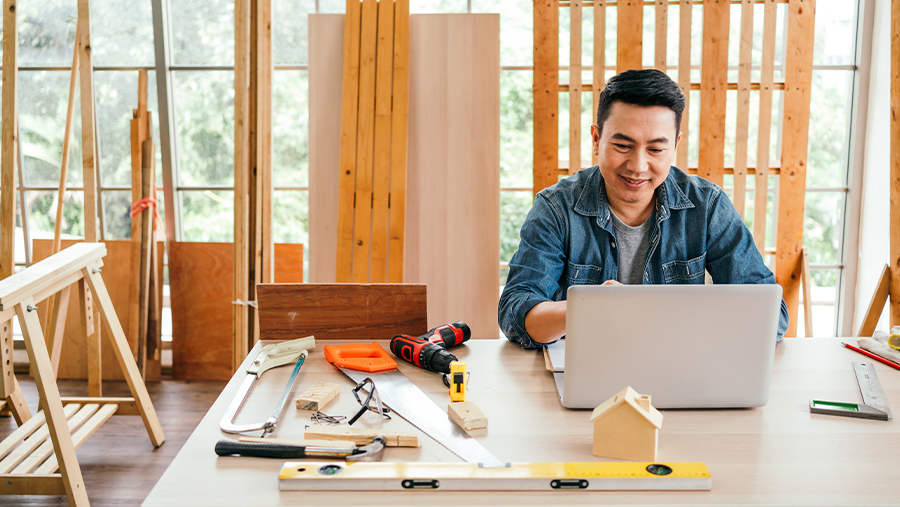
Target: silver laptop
687 346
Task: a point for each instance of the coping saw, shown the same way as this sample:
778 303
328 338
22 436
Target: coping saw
358 361
271 356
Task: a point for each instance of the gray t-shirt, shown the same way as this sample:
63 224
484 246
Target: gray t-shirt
632 245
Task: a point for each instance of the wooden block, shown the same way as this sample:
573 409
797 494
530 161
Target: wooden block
341 311
361 436
467 415
317 396
337 444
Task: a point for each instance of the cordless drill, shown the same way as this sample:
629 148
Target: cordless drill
429 351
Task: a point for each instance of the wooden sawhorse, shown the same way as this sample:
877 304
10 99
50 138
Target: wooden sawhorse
28 462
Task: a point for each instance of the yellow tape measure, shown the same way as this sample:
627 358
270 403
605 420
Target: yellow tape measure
894 341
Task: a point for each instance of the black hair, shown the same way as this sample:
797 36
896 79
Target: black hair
647 88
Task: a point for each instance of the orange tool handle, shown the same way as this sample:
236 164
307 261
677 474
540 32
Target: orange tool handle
356 356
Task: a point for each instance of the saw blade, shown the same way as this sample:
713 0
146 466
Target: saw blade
413 405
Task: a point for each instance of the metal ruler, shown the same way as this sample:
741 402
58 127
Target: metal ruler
870 387
589 476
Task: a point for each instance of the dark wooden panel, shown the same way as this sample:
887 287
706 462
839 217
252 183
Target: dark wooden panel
341 311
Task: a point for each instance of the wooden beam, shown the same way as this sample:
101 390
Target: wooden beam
599 62
662 34
48 273
795 142
714 78
139 127
263 144
895 164
88 124
766 76
685 10
399 143
876 305
241 314
807 293
546 97
742 130
147 244
629 35
8 179
575 87
381 178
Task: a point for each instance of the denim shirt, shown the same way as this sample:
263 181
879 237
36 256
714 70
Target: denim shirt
568 239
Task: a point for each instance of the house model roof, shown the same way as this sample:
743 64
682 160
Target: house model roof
637 402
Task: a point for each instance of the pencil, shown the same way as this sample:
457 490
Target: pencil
873 356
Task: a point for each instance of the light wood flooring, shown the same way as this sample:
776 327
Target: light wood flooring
119 464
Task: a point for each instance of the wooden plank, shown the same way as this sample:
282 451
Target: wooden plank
685 10
79 437
138 136
629 36
90 325
894 225
21 433
241 258
381 177
766 76
361 436
50 403
47 273
575 87
795 143
8 140
714 77
341 311
126 361
88 124
55 331
32 485
807 298
148 159
32 442
546 96
201 303
45 449
662 34
599 70
399 144
126 406
350 92
362 211
742 129
876 305
263 135
455 145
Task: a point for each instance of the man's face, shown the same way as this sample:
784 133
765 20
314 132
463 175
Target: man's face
635 151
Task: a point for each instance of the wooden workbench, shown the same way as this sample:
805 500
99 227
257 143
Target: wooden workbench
779 454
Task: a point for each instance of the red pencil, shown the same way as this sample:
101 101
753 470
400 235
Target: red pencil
873 356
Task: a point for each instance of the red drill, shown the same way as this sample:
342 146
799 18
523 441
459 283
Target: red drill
429 351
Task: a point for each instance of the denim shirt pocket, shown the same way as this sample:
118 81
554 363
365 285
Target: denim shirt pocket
583 274
685 272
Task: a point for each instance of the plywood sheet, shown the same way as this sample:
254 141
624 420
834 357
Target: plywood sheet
201 279
342 311
116 273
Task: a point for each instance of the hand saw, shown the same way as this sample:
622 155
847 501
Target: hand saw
358 361
271 356
596 476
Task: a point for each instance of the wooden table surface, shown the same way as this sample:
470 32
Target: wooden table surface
779 454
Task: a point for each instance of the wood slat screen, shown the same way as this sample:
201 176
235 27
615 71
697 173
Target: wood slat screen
716 80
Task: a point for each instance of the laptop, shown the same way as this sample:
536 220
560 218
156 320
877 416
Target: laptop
687 346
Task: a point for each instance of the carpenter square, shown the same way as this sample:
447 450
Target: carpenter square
874 406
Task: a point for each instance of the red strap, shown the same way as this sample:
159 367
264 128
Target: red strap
147 202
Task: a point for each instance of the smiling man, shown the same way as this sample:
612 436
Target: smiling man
632 219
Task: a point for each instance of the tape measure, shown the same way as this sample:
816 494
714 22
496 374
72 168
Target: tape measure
590 476
874 405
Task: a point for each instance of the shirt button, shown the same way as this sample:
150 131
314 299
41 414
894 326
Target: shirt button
613 244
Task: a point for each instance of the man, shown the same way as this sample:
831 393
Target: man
632 219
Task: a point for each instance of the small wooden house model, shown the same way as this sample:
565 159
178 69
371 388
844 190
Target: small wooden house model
626 426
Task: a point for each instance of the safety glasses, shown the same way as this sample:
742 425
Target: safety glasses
369 385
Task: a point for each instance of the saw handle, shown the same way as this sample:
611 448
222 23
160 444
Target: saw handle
260 449
355 356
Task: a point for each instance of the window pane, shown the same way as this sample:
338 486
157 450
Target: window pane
823 292
202 32
122 32
47 32
823 227
204 123
290 128
428 6
207 216
516 20
835 42
290 216
514 207
116 93
42 214
290 30
332 6
516 129
829 127
43 99
117 214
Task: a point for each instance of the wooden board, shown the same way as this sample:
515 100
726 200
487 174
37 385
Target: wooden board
242 237
742 129
713 82
895 164
9 145
795 142
546 94
381 176
88 125
599 73
662 32
399 144
629 35
685 10
201 294
359 312
766 77
575 87
116 267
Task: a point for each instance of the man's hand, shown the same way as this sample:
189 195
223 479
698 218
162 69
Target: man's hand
611 282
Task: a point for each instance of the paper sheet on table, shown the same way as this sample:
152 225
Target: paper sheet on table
555 356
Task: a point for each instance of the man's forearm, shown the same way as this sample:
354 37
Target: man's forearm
546 322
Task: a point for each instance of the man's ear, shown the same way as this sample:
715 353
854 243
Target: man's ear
595 140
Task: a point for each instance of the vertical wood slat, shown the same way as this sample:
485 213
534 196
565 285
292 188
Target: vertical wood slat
399 143
546 93
362 212
575 86
349 120
713 87
766 80
146 258
263 145
894 226
241 179
662 34
88 123
685 9
629 35
794 151
381 178
67 140
599 60
742 130
139 129
8 182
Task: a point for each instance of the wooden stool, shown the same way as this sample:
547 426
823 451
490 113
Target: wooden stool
29 463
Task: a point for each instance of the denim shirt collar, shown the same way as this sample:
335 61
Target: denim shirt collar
593 202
